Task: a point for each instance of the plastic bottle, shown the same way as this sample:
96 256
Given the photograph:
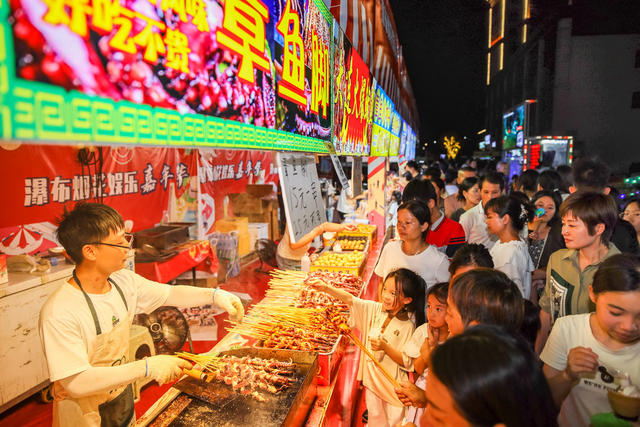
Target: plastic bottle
305 263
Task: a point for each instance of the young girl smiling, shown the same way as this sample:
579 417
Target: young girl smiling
417 350
584 349
385 327
506 217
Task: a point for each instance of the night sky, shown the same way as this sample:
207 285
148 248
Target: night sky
443 42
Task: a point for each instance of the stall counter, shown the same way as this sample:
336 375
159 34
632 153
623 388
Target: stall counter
328 396
20 303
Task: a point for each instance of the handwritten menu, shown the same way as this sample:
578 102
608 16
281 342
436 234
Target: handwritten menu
300 186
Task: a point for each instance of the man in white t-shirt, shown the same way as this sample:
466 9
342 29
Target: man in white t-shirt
472 221
84 325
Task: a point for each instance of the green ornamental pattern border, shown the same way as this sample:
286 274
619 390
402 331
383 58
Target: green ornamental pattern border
43 113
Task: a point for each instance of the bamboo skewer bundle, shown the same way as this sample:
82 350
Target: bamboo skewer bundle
291 313
375 361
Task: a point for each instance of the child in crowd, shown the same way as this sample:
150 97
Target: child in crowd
468 257
487 377
479 296
484 295
506 216
386 327
584 349
425 338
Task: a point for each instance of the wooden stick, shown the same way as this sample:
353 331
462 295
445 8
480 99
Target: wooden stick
368 353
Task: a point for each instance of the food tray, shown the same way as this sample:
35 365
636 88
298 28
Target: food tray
355 270
365 247
327 362
370 231
289 408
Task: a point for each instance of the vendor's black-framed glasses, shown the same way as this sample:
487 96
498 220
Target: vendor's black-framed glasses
127 236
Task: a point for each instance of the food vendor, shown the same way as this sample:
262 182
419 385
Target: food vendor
290 254
85 323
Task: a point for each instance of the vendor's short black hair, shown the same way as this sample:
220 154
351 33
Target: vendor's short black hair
86 223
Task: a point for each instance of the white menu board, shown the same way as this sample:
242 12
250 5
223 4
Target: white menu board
303 204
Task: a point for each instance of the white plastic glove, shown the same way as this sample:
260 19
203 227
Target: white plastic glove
164 368
230 303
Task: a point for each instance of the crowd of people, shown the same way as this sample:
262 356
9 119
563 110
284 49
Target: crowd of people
502 303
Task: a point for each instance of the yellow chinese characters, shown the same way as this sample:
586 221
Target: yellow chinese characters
151 40
291 86
320 78
243 32
177 51
109 15
185 8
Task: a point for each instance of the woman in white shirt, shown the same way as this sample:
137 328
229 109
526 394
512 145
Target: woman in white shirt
411 251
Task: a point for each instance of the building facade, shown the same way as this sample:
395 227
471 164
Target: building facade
579 61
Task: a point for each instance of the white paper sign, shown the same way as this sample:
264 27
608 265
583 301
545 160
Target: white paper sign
344 181
300 186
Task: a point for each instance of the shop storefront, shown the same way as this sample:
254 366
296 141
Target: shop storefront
185 117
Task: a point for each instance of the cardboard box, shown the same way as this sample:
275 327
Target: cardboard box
238 223
244 244
258 204
256 199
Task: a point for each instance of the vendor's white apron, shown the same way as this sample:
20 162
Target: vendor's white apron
111 408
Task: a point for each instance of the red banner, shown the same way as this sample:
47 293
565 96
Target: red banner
146 185
143 184
353 99
224 172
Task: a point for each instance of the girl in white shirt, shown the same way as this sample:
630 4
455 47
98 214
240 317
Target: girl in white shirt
584 351
425 338
506 217
411 251
385 328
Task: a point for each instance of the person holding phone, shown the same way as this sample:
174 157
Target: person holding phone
540 242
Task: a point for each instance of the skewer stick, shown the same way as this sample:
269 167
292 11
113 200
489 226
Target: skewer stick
368 353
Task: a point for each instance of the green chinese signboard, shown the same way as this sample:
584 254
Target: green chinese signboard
180 74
